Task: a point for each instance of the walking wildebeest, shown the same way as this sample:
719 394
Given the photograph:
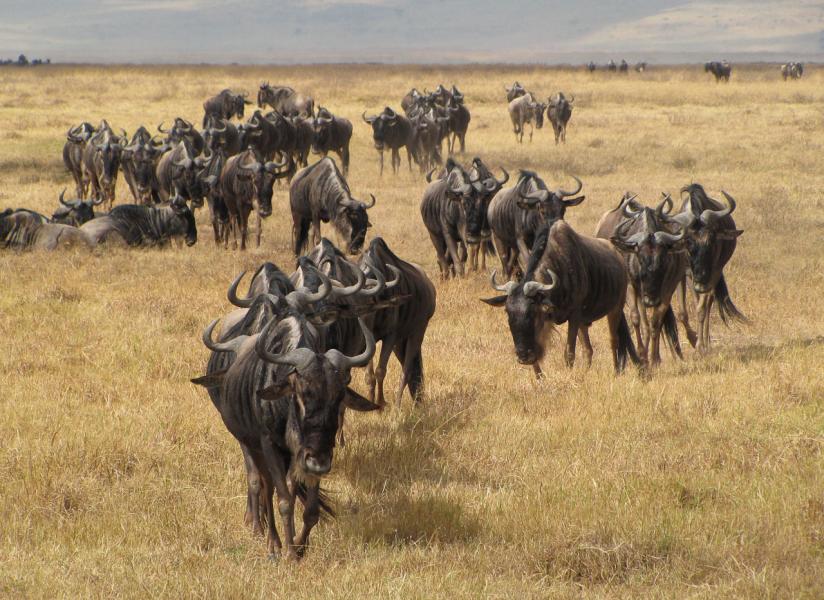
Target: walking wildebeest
178 174
516 91
285 100
74 212
138 225
221 134
573 279
139 165
224 105
76 139
320 193
458 123
332 134
393 131
523 110
591 67
26 230
720 70
559 113
101 161
486 185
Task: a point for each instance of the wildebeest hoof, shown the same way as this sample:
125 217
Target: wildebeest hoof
274 556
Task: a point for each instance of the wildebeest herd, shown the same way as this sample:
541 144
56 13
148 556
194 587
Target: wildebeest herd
280 369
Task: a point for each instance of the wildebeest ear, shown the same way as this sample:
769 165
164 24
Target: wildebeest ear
273 392
526 205
496 301
729 234
210 381
574 201
355 401
622 244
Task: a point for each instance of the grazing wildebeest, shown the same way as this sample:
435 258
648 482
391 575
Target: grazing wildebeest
285 100
792 70
515 91
591 67
710 240
246 179
652 248
320 193
177 174
76 139
183 130
26 230
221 134
101 161
458 123
281 399
74 212
523 110
138 225
332 134
224 105
515 214
570 278
559 113
401 327
139 164
721 70
393 131
623 67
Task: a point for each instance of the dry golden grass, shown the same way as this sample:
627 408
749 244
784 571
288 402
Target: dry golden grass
118 478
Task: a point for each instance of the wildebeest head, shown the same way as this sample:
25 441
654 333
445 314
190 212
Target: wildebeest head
707 228
461 189
352 221
263 175
381 124
238 102
322 128
317 387
552 205
110 151
538 109
80 133
184 213
74 212
486 186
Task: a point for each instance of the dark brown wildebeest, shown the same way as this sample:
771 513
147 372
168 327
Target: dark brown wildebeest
178 174
101 162
332 134
224 105
320 193
76 139
573 279
137 225
262 135
720 70
74 212
710 240
218 213
611 66
458 123
286 101
515 91
221 134
139 165
486 185
304 134
623 67
412 101
427 140
26 230
792 70
652 246
591 67
245 180
559 113
515 214
523 110
393 131
183 130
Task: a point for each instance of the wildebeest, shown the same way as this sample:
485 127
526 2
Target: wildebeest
218 213
76 139
412 100
559 113
623 67
392 131
515 214
640 67
138 225
139 164
459 118
285 100
304 135
221 134
101 161
515 91
721 70
792 70
244 180
710 240
573 279
332 134
427 140
486 185
183 130
178 174
611 66
74 212
224 105
591 67
25 230
320 193
523 110
262 134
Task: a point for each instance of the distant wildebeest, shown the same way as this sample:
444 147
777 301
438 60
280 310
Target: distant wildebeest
710 241
573 279
525 109
138 225
559 113
611 66
74 212
25 230
101 162
623 67
720 70
285 100
76 139
515 214
412 100
652 246
320 193
591 67
640 67
244 181
224 105
427 140
392 131
221 134
183 130
459 118
514 91
792 70
332 134
139 164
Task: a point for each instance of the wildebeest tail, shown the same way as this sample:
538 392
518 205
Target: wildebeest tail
726 309
671 331
324 500
302 237
625 345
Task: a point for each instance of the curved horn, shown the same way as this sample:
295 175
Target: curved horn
339 291
368 206
708 217
562 193
368 119
501 182
230 346
97 202
628 211
665 237
506 288
160 128
531 288
272 166
665 207
294 358
359 360
225 127
304 296
232 293
62 201
429 175
380 283
185 163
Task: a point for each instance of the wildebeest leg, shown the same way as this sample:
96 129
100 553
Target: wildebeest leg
462 138
381 155
455 255
259 229
572 336
503 255
411 358
704 306
387 346
635 319
315 231
243 225
344 159
286 500
523 251
311 514
583 337
531 131
440 251
273 542
473 257
655 332
683 314
253 488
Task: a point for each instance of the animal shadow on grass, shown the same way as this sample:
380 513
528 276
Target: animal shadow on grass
726 358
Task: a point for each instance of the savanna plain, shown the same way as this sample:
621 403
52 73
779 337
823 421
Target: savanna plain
703 480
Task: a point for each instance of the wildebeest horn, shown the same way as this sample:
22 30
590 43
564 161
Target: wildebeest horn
665 237
232 293
368 206
380 283
429 175
225 127
369 120
505 179
531 288
563 193
339 291
323 121
397 272
125 135
571 100
536 196
229 346
160 128
185 163
272 166
254 167
666 205
708 217
506 288
342 361
97 202
684 219
63 202
628 211
304 296
297 358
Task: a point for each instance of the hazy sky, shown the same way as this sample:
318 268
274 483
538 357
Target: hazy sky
288 31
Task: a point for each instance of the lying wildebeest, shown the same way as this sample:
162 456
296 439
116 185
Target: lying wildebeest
515 91
137 225
320 193
401 327
139 162
74 212
183 130
523 110
244 180
76 139
101 161
559 113
26 230
710 240
332 134
515 214
393 131
285 100
652 247
221 134
282 398
573 279
793 70
224 105
720 70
